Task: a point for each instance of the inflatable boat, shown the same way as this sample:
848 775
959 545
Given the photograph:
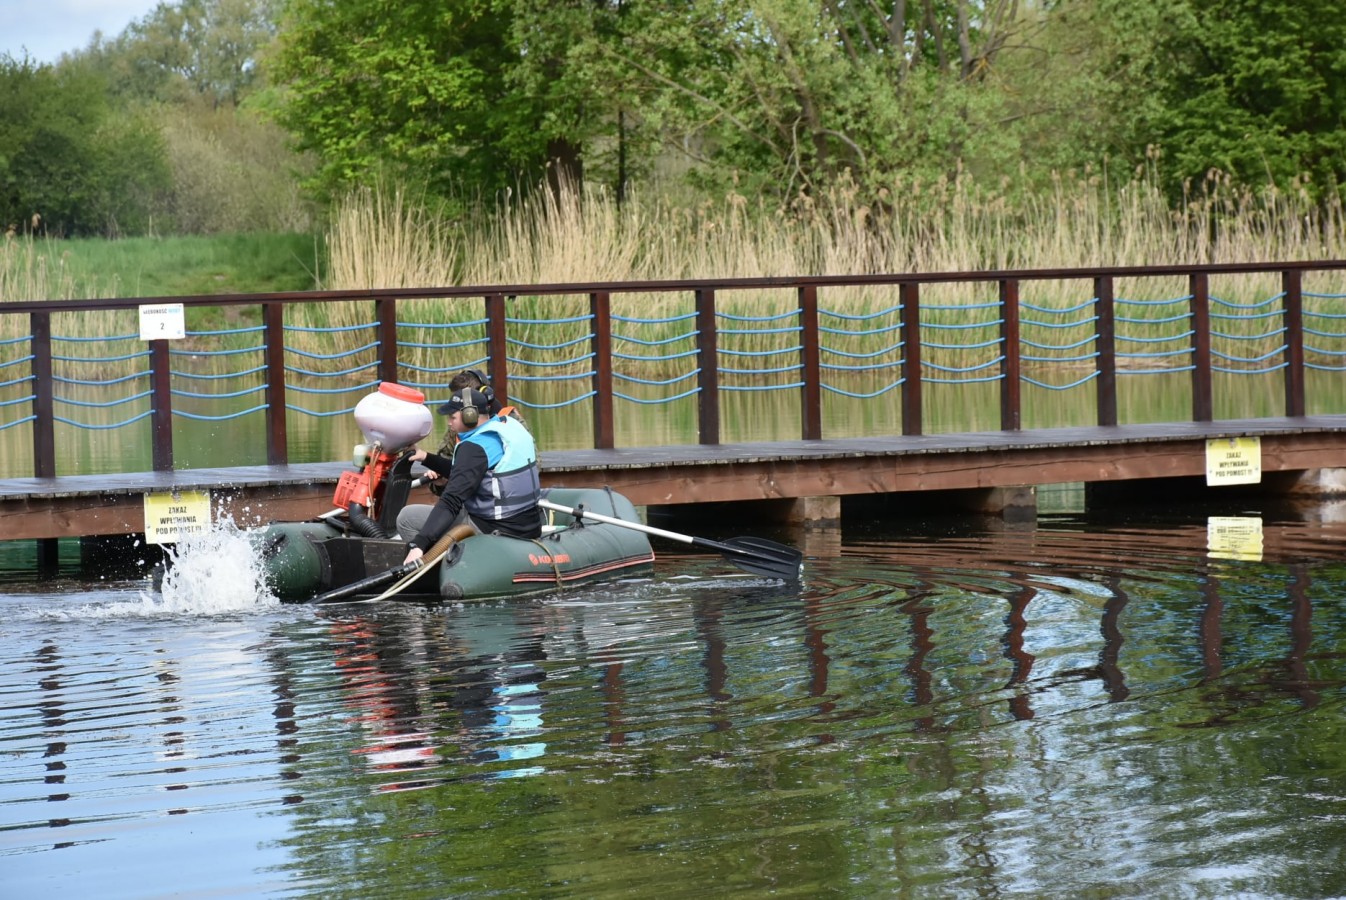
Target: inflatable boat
354 551
328 561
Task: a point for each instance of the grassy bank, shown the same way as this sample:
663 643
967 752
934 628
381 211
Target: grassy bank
45 269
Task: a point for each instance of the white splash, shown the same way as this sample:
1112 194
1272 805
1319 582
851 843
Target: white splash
219 571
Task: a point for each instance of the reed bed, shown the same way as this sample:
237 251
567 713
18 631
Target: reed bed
90 348
384 239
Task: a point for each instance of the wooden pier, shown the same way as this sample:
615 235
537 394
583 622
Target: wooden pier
798 481
1108 325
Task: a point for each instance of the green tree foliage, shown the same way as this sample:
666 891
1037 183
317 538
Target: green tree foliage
419 94
187 51
72 159
791 98
154 130
573 109
1255 89
485 93
475 95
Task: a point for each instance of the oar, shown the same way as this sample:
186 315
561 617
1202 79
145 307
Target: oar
457 534
756 555
367 585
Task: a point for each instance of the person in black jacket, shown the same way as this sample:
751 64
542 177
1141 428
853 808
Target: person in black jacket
437 463
492 478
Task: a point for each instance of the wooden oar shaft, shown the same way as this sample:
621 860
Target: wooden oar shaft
597 517
756 555
456 534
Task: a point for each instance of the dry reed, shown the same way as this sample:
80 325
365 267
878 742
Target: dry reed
381 239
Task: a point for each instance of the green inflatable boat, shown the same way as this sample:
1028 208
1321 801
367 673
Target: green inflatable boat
353 553
314 559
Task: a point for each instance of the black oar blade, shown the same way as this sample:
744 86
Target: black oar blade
364 585
762 557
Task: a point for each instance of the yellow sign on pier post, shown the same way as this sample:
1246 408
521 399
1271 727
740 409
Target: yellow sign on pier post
1233 461
171 517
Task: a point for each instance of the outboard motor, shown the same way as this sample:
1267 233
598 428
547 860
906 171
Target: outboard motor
391 421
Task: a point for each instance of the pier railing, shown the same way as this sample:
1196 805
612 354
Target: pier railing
887 336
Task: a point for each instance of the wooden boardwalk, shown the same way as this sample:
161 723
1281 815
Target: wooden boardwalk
795 473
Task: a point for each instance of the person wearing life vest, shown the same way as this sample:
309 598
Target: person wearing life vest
493 480
437 463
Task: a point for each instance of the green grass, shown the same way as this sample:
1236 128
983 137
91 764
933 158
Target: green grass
183 266
174 266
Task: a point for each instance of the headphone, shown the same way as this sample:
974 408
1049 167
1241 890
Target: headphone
485 388
470 413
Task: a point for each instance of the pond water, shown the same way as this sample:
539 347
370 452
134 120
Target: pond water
1088 708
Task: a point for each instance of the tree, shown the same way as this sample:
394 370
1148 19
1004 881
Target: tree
1255 89
794 97
790 98
476 94
68 158
205 48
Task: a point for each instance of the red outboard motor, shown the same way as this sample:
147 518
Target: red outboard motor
391 421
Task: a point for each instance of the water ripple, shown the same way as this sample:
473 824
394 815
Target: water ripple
1060 712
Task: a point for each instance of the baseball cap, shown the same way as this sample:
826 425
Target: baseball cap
475 398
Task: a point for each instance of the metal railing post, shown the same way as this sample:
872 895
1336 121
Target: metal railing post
1202 409
44 397
497 346
1105 343
909 317
600 308
385 313
1011 384
707 359
811 413
161 417
277 434
1294 342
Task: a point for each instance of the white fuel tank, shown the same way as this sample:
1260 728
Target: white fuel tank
395 417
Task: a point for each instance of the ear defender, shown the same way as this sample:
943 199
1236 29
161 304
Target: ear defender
485 383
470 413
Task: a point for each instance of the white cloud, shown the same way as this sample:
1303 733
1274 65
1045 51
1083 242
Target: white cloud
48 28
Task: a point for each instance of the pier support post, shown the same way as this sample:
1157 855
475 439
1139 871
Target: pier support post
1317 484
1013 504
48 557
814 512
819 543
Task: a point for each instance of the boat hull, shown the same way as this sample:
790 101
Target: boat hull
305 559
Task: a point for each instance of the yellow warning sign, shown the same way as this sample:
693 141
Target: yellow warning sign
1233 461
1234 537
171 517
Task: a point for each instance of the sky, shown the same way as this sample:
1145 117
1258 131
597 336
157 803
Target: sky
49 28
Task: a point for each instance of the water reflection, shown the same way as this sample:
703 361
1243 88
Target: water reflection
949 710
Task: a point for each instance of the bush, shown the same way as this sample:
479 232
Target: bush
67 156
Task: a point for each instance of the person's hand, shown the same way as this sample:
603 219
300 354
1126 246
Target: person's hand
413 555
418 455
429 475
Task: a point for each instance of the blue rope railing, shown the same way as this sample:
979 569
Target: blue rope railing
837 335
860 355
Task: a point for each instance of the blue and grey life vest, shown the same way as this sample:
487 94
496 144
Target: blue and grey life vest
511 484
